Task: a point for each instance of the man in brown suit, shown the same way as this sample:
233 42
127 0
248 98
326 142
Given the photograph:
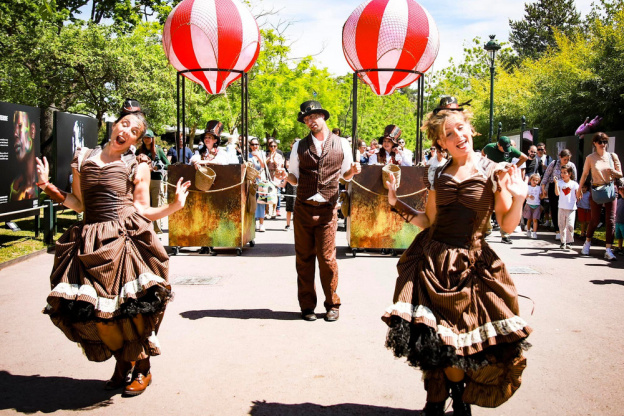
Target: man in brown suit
316 164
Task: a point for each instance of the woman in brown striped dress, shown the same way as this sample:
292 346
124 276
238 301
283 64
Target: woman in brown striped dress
110 277
455 313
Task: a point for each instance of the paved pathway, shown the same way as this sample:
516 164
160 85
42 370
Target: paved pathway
237 346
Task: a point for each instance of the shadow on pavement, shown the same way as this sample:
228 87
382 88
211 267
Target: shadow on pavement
31 394
242 314
262 408
608 282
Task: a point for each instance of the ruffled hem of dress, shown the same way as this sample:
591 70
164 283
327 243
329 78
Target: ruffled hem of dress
74 303
423 348
487 335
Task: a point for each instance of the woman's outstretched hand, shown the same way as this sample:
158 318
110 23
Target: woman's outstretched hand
512 181
392 196
181 193
43 170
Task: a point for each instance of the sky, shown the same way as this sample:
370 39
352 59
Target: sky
316 25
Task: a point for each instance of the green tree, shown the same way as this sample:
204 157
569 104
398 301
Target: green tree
535 33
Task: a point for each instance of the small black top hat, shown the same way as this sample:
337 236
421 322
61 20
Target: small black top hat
130 106
310 107
448 102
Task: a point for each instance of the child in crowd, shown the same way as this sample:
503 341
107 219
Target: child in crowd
532 208
619 218
584 209
565 189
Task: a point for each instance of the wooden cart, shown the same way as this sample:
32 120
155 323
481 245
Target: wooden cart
371 224
223 217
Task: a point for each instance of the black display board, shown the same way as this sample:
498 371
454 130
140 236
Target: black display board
19 145
71 132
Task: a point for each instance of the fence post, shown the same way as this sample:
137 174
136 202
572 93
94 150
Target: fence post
37 224
48 222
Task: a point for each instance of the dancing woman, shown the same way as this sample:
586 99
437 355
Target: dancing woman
110 277
455 313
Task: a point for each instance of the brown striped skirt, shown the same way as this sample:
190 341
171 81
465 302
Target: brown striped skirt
110 271
457 307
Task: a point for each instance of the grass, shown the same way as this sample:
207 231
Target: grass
14 244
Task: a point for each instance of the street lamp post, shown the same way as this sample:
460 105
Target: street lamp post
491 47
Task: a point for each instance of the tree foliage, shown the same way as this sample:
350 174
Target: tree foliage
535 33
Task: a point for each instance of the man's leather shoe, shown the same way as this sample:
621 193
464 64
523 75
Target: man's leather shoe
138 385
308 315
332 315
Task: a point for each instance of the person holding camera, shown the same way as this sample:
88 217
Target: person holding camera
158 162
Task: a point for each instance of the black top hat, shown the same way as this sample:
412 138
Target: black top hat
310 107
130 106
448 102
392 132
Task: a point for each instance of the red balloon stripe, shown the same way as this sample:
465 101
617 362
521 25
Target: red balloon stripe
367 33
414 46
230 37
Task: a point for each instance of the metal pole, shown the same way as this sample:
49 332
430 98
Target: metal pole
421 106
243 119
522 129
492 97
246 110
184 120
354 118
48 222
37 224
417 144
177 116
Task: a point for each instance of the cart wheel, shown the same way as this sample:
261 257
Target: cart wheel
353 252
175 251
239 251
393 252
212 251
252 243
383 251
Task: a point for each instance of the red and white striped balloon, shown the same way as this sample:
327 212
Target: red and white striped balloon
219 34
390 34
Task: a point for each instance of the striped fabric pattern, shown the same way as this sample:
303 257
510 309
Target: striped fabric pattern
319 174
111 258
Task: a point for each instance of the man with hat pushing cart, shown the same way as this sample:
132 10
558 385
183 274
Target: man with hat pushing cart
316 164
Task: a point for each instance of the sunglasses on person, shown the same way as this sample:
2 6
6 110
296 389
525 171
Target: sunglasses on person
253 144
603 142
540 149
273 147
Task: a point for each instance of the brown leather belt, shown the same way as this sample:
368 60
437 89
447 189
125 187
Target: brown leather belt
314 203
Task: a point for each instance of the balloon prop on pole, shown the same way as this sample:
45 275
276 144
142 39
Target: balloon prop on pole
219 35
390 43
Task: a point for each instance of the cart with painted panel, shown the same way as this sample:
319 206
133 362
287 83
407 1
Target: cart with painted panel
213 56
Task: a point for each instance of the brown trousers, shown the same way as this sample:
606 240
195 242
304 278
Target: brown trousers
315 238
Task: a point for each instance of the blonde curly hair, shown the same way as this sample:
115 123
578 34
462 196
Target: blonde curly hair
434 125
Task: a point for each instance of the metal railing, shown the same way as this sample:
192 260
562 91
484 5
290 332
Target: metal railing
48 225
